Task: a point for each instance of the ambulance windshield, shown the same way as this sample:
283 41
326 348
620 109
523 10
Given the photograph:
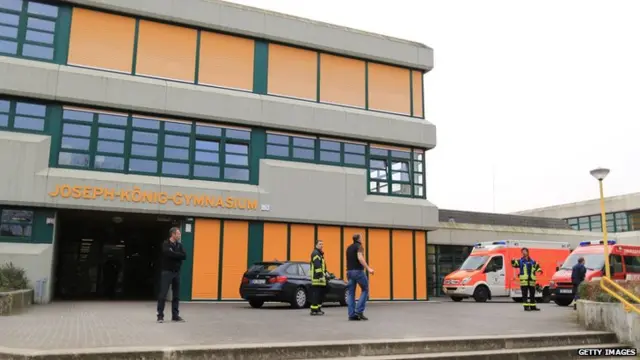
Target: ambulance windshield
591 261
474 263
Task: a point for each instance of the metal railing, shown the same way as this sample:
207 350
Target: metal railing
628 306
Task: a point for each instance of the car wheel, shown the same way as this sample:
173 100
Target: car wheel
456 299
299 299
563 302
481 294
256 304
343 299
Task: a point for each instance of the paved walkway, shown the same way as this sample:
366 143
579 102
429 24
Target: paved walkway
66 325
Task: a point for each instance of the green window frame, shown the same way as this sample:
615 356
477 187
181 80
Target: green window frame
143 145
316 150
28 29
23 116
394 172
16 225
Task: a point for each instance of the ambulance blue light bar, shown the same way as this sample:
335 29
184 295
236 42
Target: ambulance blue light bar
596 242
499 243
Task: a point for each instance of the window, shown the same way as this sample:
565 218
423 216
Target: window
16 223
27 29
632 264
495 264
390 172
318 150
596 223
306 269
22 116
622 222
151 146
293 269
616 262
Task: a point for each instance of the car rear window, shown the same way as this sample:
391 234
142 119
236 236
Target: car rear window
264 267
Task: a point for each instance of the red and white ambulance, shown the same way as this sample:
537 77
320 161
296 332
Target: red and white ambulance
624 262
488 273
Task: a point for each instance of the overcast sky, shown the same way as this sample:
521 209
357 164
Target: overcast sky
537 93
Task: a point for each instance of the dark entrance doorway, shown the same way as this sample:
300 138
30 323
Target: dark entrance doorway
104 255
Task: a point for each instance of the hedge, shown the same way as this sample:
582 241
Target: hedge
593 292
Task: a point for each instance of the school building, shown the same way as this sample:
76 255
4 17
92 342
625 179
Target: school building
256 133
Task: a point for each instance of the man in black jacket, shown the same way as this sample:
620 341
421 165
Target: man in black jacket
578 273
172 256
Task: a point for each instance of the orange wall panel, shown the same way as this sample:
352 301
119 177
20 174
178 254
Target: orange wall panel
275 242
302 242
226 61
101 40
421 266
206 259
166 51
342 80
292 72
234 257
379 260
330 236
402 242
417 93
389 89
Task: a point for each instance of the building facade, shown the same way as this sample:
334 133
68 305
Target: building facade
255 132
623 213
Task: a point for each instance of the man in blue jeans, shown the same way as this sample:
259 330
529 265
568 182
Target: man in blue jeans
356 275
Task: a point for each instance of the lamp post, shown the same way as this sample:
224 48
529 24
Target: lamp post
600 174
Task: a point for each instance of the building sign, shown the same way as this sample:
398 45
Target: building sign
136 195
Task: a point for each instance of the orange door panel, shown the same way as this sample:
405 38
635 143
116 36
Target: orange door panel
421 266
206 260
166 51
330 236
292 72
302 242
417 93
275 242
234 257
389 88
379 260
226 61
402 264
101 40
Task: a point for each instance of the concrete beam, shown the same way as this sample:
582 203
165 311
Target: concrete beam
118 91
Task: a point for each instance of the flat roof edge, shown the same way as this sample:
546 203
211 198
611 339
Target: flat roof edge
248 21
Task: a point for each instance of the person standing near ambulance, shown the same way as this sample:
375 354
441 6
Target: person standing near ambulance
318 279
528 269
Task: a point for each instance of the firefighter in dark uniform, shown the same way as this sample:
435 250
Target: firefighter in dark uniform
318 279
529 268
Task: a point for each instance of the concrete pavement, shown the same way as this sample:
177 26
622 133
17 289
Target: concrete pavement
82 325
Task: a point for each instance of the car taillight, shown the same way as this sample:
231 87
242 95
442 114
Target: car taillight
277 280
245 280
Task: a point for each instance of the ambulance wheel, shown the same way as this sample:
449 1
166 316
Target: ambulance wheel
456 299
563 302
546 296
481 294
518 300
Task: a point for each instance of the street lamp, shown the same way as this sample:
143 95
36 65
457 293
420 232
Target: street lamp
600 174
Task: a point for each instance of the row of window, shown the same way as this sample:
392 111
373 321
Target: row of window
148 146
616 222
390 171
139 144
16 223
28 29
106 41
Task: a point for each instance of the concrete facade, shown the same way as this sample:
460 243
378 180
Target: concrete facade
619 203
